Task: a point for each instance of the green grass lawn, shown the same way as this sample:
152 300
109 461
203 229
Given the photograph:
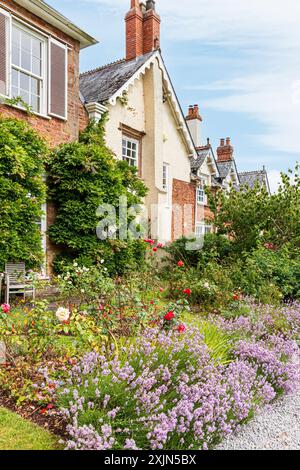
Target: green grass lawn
18 434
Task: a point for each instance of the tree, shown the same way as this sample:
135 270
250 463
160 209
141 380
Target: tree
22 192
250 217
83 176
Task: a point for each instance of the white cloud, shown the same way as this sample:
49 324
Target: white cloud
265 38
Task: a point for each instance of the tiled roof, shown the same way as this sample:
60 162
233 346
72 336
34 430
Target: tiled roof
196 163
250 178
225 168
98 85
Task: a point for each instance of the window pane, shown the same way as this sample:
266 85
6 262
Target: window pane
36 48
35 88
15 57
36 66
15 78
14 91
25 96
25 42
24 82
35 103
25 60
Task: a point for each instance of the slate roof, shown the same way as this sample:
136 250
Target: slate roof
224 168
196 163
98 85
250 178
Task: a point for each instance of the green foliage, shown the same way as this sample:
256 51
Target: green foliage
216 247
83 176
252 216
22 191
269 274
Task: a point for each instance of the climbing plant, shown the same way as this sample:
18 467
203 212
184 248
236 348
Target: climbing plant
84 175
22 192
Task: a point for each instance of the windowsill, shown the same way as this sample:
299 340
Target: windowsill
19 108
43 116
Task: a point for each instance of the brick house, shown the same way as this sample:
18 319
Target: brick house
39 62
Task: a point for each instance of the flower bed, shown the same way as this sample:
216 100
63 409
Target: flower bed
165 391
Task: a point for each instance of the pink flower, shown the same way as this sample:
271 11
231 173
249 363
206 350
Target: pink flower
160 245
5 308
161 289
169 316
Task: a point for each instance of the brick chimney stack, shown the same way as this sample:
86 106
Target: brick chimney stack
193 120
225 151
142 29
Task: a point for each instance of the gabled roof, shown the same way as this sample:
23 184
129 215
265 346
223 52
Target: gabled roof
108 83
99 85
204 154
53 17
226 167
250 178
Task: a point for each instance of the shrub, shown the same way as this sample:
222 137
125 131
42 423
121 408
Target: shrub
83 176
22 192
164 391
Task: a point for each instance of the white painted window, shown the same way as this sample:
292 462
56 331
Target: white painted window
201 196
202 229
130 151
28 61
166 180
33 67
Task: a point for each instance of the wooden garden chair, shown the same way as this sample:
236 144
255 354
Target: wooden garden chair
15 281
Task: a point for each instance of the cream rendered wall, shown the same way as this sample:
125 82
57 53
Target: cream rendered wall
145 111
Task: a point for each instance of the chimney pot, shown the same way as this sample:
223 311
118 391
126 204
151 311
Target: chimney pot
225 152
150 5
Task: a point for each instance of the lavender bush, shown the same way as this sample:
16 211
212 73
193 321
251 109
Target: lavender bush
165 391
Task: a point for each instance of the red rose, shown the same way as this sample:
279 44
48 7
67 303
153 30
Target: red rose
161 289
43 411
187 291
236 297
152 302
182 328
180 264
155 250
169 316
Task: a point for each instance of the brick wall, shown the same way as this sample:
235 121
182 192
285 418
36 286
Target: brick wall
55 131
183 220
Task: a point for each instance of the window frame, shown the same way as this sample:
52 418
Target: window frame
201 191
132 140
205 229
44 61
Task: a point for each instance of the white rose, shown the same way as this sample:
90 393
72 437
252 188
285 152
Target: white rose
62 314
206 285
75 265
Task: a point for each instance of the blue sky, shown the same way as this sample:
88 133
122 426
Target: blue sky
239 60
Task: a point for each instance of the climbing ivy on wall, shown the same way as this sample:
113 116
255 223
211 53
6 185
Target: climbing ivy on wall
83 176
22 192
